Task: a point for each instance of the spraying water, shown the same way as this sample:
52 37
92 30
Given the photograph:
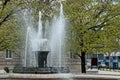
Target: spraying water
57 41
36 42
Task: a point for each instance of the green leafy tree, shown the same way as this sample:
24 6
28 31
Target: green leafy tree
11 32
94 26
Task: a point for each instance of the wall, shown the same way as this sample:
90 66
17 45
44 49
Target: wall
16 59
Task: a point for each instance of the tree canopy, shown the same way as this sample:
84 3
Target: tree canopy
95 25
9 31
11 34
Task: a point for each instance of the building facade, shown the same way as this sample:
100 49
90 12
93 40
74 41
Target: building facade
9 59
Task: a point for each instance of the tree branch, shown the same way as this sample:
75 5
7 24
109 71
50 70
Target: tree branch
100 11
99 26
5 18
5 3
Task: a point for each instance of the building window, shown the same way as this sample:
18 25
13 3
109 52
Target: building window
8 54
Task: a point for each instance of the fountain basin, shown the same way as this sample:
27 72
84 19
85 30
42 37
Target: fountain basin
37 70
66 76
42 66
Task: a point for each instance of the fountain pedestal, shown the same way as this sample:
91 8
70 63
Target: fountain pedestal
42 58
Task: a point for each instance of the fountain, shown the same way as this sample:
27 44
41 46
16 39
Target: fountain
36 57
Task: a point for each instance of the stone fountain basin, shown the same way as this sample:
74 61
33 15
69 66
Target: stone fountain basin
37 70
63 76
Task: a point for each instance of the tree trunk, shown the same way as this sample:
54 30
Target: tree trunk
83 68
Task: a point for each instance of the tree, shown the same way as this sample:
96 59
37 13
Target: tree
11 33
94 26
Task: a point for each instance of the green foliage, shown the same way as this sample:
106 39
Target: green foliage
94 25
11 32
